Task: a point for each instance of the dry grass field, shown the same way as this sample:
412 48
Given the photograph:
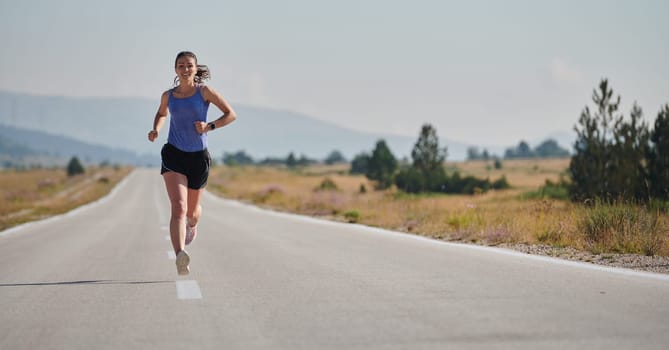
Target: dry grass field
492 218
27 195
524 174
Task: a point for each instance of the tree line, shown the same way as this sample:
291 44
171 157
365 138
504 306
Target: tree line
291 161
614 158
547 149
426 171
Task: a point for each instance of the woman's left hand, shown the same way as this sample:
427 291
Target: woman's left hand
201 127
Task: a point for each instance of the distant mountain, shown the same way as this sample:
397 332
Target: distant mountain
10 147
13 154
22 146
122 124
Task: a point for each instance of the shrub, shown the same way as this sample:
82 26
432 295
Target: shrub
622 227
74 167
327 185
501 183
352 216
410 180
382 165
268 192
553 190
465 185
360 163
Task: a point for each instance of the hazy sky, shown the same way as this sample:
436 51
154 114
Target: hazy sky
483 72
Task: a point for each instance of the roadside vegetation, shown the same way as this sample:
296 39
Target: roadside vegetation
37 193
519 214
610 196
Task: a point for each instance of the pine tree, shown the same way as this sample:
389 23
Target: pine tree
658 157
627 166
590 166
428 158
291 161
473 153
426 154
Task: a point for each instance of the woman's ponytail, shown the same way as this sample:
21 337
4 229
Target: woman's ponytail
202 73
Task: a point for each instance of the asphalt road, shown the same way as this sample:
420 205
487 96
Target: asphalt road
102 277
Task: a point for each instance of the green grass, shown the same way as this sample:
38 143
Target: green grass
550 190
623 228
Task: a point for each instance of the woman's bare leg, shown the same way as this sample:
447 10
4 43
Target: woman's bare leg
194 208
177 191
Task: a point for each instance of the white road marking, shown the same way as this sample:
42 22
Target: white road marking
188 289
171 255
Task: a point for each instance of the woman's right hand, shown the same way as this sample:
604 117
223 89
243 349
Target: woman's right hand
153 134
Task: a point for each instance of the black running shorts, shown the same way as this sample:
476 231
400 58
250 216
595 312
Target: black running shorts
195 165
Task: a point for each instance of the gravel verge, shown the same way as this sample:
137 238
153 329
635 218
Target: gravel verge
658 264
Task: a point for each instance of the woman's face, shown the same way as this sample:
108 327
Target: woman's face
186 68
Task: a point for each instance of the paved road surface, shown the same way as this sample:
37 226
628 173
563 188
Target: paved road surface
102 278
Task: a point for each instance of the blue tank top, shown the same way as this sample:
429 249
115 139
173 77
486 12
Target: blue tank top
184 112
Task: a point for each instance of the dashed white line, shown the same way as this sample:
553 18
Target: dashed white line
186 289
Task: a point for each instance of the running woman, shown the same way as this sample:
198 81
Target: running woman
185 159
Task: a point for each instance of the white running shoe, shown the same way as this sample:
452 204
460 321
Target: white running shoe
182 263
191 232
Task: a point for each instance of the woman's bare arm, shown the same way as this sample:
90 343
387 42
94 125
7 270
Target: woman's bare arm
228 116
161 115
